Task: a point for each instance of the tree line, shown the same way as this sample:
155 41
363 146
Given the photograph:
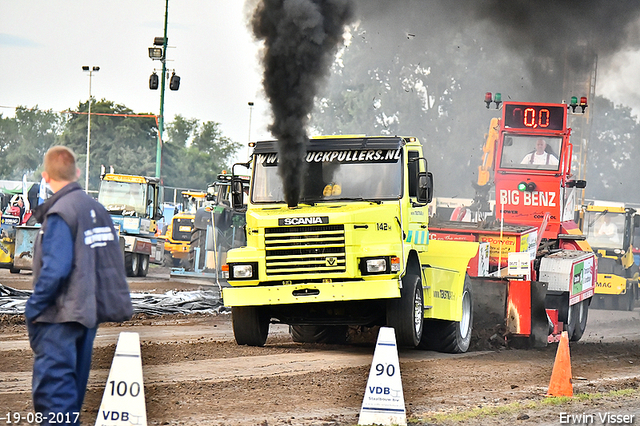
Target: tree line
193 152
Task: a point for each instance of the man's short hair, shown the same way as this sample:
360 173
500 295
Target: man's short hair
60 164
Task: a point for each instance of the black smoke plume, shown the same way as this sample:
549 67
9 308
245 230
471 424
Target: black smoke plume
562 38
558 40
300 40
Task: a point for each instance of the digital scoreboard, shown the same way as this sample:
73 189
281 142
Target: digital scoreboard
534 116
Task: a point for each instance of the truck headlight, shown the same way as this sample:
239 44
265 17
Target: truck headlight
374 265
243 271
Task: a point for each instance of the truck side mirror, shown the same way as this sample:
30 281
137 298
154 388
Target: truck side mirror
237 195
636 221
425 187
576 184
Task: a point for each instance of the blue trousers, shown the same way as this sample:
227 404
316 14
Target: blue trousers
61 365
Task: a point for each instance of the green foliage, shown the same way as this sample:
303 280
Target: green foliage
614 148
24 139
181 130
121 140
193 153
198 163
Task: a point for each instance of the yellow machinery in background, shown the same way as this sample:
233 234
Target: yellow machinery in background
609 228
178 235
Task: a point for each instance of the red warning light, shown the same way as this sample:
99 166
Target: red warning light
487 99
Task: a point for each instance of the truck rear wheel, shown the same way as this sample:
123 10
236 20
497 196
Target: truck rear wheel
250 325
578 314
451 336
143 268
198 239
406 314
319 333
131 264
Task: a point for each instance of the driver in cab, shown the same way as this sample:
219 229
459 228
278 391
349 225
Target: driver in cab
540 156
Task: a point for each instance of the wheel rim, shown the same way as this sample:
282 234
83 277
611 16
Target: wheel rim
465 322
581 312
134 262
144 262
417 310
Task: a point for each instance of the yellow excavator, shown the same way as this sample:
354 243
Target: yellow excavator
178 235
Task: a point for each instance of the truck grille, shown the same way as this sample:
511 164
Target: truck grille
305 249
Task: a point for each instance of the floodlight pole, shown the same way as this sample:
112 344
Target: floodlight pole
162 84
86 173
249 140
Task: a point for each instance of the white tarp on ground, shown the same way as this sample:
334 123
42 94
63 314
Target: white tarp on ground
13 301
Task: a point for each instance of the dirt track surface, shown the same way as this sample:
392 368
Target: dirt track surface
195 374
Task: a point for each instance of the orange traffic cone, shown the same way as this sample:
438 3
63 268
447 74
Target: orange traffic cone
560 384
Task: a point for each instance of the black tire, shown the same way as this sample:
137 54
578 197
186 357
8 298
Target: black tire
14 270
131 264
451 336
143 268
198 239
580 312
250 325
167 259
406 314
335 334
630 297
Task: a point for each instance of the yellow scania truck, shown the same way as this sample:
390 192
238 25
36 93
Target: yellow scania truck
355 250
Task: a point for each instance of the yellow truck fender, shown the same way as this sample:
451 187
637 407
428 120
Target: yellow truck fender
444 268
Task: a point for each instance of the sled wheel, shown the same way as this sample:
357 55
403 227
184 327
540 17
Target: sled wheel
580 314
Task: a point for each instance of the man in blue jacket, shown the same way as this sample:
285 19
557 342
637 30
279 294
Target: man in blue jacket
78 282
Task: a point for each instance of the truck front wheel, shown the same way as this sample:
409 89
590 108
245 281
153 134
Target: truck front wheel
406 314
131 264
250 325
451 336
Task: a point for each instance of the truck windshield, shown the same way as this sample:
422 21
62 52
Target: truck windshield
530 152
604 230
335 175
123 196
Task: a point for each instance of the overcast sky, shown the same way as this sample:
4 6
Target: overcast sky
45 43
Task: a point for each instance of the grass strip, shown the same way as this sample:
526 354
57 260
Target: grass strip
516 407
